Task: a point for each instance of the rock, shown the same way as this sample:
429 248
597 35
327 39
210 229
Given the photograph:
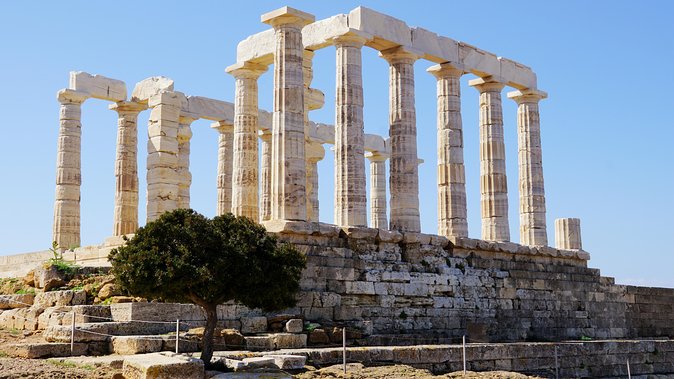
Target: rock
124 345
250 363
162 366
318 337
60 298
108 290
29 278
288 362
289 341
256 324
231 338
48 277
44 350
259 343
16 301
121 299
294 326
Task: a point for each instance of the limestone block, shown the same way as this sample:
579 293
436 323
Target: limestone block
62 333
210 109
477 61
360 288
288 362
146 311
387 31
54 316
135 344
319 34
16 301
289 341
162 366
258 48
517 74
259 343
98 86
391 236
375 143
147 88
434 47
257 324
295 325
44 350
60 298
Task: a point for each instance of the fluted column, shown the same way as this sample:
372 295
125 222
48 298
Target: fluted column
288 200
66 228
245 160
225 155
493 183
265 176
567 234
378 216
404 172
350 194
125 220
315 153
452 212
184 174
533 230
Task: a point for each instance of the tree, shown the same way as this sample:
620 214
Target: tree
187 258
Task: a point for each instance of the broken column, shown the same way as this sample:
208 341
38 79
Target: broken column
66 228
225 155
245 159
125 220
403 164
350 194
452 211
493 183
533 230
378 216
567 234
265 176
184 174
162 154
288 200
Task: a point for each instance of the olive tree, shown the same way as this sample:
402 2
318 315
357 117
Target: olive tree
186 257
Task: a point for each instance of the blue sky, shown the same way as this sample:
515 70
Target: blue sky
607 126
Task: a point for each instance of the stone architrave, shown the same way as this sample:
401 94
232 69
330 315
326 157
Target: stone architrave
245 159
225 155
288 200
403 164
162 154
350 193
533 229
315 153
66 228
184 174
378 216
493 183
567 234
125 220
265 176
452 210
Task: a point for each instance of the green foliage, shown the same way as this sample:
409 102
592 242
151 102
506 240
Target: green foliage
66 268
403 315
26 291
585 338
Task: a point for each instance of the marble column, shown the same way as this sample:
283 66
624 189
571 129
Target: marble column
315 153
567 234
403 164
378 216
125 220
225 155
184 174
265 176
452 211
493 183
288 200
66 228
245 160
350 194
533 230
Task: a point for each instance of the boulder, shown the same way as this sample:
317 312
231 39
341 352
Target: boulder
60 298
29 278
294 326
318 337
250 363
48 277
108 290
162 366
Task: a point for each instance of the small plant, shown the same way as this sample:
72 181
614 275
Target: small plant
585 338
66 268
107 301
56 251
403 315
14 331
461 267
62 363
24 291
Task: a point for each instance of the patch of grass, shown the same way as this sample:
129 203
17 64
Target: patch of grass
62 363
14 331
107 301
4 355
25 291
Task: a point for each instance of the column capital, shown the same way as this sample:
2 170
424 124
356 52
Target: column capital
377 156
287 16
246 70
353 37
527 95
314 152
444 70
127 107
400 54
69 96
223 126
487 84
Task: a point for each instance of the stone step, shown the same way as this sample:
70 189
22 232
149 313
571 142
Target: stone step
162 366
44 350
275 341
102 331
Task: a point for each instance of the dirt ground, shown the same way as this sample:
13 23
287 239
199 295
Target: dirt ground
358 371
11 368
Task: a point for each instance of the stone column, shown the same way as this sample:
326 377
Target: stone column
533 231
452 212
404 172
265 176
288 201
162 154
350 194
125 219
66 228
225 155
378 217
245 162
493 183
184 174
315 153
567 234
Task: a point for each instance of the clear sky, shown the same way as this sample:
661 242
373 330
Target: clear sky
607 126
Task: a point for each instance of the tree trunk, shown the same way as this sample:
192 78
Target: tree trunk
211 322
